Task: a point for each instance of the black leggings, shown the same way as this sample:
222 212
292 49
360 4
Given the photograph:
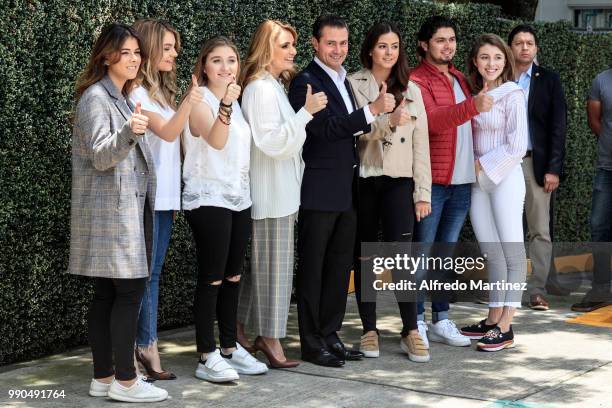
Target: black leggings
388 200
221 237
113 318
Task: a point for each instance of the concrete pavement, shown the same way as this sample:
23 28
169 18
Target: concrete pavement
554 364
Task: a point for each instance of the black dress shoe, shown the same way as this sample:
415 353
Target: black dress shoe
323 358
586 306
343 353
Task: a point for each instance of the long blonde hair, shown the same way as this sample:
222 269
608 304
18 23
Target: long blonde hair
259 55
161 86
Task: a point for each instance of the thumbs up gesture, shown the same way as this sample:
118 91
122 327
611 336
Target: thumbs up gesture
314 102
195 95
138 121
400 115
483 102
384 103
232 92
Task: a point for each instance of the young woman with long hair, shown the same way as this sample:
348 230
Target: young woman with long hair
394 173
496 212
276 172
156 92
217 204
113 195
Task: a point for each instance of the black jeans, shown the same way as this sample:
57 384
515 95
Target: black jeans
221 237
387 200
113 318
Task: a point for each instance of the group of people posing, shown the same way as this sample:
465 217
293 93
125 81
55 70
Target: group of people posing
258 148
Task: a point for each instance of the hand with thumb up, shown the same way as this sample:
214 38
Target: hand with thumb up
314 102
232 92
384 103
400 115
138 121
483 102
195 95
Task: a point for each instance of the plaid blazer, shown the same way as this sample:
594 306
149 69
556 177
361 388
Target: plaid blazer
113 189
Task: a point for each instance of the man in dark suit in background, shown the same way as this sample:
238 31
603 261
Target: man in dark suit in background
543 163
327 217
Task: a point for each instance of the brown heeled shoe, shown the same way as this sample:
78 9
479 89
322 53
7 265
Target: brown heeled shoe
274 362
152 374
251 349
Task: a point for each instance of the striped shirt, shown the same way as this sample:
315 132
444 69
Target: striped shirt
500 135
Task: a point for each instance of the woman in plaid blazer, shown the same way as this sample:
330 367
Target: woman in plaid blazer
113 191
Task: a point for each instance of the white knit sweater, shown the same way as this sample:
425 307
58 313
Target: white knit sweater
276 152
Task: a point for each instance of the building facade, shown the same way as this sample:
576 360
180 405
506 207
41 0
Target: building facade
589 15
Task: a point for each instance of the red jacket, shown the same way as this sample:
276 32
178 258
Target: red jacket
444 115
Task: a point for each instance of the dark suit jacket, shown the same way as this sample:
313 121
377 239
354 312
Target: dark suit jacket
329 153
547 113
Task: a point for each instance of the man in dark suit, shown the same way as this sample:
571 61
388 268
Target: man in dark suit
543 163
327 218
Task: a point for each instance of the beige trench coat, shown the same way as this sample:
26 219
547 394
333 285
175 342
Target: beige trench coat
407 152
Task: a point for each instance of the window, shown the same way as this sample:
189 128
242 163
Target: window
593 19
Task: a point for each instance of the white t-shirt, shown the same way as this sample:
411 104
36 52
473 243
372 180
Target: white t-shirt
218 178
464 171
166 155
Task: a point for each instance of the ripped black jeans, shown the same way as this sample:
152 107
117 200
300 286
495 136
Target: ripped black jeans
387 201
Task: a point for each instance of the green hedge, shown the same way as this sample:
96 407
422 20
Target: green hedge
44 46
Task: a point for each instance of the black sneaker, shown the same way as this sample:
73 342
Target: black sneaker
495 340
476 331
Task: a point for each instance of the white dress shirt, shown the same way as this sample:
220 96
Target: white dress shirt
338 78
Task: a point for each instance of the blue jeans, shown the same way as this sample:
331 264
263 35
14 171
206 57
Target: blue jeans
601 228
449 207
147 319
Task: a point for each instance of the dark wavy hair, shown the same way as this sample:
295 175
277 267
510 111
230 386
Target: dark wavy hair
430 27
107 48
398 79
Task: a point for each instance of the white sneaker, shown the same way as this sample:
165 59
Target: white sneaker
140 391
216 369
422 326
244 363
445 331
98 388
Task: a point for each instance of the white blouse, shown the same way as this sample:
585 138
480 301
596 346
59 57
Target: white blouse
276 153
500 135
166 155
218 178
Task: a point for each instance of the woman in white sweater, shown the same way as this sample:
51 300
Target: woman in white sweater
276 174
496 212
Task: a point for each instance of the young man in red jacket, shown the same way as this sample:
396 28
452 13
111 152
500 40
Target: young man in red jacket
450 107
